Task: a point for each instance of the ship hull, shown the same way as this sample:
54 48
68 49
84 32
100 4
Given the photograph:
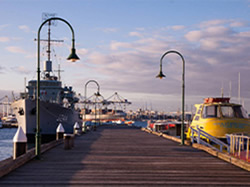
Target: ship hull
51 114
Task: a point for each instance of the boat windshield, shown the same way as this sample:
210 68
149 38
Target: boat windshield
233 112
210 111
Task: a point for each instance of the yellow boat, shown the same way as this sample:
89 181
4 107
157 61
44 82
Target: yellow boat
218 117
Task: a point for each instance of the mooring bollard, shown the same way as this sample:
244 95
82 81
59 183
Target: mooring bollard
19 143
66 138
59 132
71 141
83 127
76 128
94 127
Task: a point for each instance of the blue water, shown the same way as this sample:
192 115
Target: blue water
6 143
140 123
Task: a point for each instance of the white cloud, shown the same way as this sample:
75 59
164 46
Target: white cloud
16 49
21 70
220 54
24 28
109 30
178 27
193 36
238 24
1 69
117 45
137 34
212 23
82 51
4 39
3 26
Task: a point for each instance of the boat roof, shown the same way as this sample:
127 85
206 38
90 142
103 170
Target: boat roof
218 101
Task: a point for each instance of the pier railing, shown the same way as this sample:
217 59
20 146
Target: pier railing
201 136
239 145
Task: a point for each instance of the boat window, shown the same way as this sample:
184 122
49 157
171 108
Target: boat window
227 111
233 112
196 118
240 112
210 112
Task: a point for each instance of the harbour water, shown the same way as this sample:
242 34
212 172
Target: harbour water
7 134
6 143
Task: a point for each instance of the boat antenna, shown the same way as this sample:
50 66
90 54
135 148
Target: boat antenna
25 85
222 90
239 88
230 89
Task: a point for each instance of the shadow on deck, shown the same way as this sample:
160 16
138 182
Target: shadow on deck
121 155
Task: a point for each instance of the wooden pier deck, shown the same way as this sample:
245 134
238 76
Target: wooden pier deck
125 156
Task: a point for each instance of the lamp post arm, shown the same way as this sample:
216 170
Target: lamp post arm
172 51
183 89
98 87
63 20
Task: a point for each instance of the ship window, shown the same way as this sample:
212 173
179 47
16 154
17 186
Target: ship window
227 111
210 112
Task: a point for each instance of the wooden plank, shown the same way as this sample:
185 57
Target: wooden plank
121 155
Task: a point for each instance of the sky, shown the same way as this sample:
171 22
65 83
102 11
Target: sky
120 44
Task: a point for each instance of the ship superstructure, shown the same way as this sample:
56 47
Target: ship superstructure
57 104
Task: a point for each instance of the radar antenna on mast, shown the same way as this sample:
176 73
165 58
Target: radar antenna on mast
48 62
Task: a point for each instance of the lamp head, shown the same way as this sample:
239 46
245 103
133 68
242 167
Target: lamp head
98 94
73 57
160 75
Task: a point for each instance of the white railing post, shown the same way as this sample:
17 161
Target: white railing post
192 135
247 153
199 133
231 143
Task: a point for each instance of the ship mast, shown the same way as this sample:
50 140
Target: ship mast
48 62
49 51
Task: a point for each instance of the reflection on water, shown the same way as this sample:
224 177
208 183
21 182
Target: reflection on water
6 143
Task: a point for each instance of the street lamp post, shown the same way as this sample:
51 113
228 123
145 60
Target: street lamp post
97 94
73 57
161 75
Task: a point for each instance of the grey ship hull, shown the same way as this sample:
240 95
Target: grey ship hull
51 114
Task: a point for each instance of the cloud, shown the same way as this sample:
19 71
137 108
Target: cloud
212 23
238 24
1 69
137 34
117 45
193 35
109 30
3 26
4 39
178 27
21 70
16 49
214 54
82 51
24 28
210 32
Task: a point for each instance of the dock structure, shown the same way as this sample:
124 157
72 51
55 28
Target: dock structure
124 156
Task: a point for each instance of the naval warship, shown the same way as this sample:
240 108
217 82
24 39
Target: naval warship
57 105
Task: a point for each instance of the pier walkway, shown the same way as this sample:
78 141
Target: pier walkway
124 156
